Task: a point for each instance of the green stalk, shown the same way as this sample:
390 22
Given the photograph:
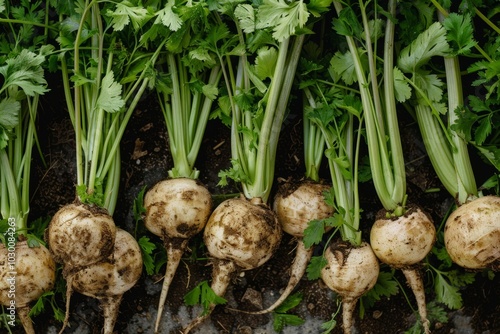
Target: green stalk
465 175
385 151
314 141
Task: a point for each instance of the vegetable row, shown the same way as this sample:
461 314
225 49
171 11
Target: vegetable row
355 66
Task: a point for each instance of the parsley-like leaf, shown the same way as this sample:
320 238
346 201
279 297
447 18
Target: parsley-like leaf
110 96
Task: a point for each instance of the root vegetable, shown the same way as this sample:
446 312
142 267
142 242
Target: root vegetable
241 234
351 271
472 234
176 210
402 242
80 235
108 280
34 275
295 206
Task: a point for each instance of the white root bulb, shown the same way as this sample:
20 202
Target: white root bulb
110 279
241 234
177 208
350 272
297 204
80 235
35 272
247 233
403 242
472 234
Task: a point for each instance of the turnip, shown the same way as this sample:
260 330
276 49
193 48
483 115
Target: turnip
243 234
24 279
26 268
351 271
108 280
298 203
472 234
403 242
240 235
100 102
384 142
178 208
348 266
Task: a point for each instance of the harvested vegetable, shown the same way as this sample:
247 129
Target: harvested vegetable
178 208
27 270
243 233
384 142
108 81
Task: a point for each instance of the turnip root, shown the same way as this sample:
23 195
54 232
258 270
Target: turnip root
108 280
295 206
241 234
472 234
176 210
35 273
80 235
402 242
350 272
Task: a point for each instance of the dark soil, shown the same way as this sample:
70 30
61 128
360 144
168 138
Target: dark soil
146 159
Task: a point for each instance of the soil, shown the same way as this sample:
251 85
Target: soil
146 159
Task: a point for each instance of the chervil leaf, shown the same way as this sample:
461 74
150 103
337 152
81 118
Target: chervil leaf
283 17
446 293
110 95
246 17
203 294
280 320
126 12
313 234
289 303
315 266
168 17
431 42
265 62
402 89
147 248
460 32
25 71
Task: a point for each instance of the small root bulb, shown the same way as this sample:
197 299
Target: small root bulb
110 279
176 210
402 243
241 234
350 272
35 274
472 234
80 235
295 206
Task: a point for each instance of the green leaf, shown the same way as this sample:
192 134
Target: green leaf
289 303
460 32
431 42
265 62
386 286
147 248
110 98
126 12
347 24
402 88
9 113
313 234
280 320
315 266
246 17
25 71
39 306
283 17
204 295
168 17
